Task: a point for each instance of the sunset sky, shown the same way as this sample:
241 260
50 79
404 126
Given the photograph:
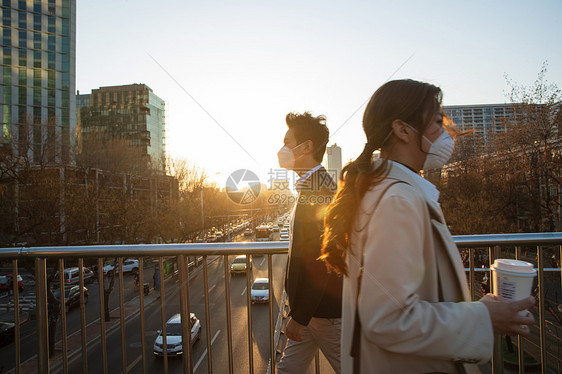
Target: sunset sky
230 71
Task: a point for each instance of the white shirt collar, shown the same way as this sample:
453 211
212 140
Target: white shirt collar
307 175
430 191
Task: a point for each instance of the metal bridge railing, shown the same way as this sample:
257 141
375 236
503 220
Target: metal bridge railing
478 251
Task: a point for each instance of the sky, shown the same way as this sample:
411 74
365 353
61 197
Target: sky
229 71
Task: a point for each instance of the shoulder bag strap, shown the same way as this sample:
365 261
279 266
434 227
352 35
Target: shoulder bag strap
356 340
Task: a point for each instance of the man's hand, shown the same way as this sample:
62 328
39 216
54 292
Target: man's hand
294 330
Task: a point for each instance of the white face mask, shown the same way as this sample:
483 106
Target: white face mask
287 157
440 151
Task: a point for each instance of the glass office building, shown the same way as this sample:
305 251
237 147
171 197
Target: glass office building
131 112
38 78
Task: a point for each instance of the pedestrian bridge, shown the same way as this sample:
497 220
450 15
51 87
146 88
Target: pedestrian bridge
198 276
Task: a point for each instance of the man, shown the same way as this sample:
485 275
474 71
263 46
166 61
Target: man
314 293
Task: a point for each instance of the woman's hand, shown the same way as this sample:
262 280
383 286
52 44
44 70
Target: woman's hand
505 315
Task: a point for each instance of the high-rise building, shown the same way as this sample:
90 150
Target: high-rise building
481 119
333 160
38 78
130 112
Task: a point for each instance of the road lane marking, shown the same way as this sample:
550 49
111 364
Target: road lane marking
262 261
212 288
243 292
205 352
132 365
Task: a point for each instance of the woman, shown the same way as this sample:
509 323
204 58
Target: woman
413 309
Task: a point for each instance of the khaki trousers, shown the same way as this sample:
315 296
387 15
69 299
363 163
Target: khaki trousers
323 333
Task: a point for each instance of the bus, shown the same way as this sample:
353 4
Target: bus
263 233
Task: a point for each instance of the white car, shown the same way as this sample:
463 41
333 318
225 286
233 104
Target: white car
129 265
173 336
259 293
284 237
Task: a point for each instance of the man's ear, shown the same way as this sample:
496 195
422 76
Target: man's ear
401 130
308 147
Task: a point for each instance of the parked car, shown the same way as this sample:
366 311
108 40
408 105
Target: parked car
72 297
248 232
6 284
239 265
284 237
72 276
173 336
7 333
129 265
259 293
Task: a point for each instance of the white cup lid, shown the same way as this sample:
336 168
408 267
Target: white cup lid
514 265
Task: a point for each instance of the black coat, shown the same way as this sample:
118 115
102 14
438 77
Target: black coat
313 290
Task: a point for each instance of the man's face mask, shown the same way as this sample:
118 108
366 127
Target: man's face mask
287 157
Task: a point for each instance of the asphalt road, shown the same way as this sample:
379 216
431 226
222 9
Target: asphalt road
219 350
92 312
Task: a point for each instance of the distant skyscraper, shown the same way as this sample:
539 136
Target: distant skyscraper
333 160
38 77
131 112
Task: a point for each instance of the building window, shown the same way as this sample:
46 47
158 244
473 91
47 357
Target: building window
22 20
51 24
22 38
65 26
37 6
7 37
37 77
36 40
37 22
6 18
22 96
51 98
65 44
51 60
22 60
7 55
37 96
51 79
7 113
51 43
22 76
7 75
37 59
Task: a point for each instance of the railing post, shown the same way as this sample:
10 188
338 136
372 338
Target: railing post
63 317
228 315
249 271
542 324
185 314
82 316
122 314
42 316
497 358
207 315
520 351
16 314
142 323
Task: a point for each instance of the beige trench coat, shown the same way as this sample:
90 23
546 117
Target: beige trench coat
409 259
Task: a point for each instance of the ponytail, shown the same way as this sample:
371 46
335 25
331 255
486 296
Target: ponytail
355 180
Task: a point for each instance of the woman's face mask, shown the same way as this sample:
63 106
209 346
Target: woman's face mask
287 157
440 150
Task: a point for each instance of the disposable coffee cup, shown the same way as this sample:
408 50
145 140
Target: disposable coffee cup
513 280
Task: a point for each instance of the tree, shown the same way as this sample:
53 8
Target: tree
504 184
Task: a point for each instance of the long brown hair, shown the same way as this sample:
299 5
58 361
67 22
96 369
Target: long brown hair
410 101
